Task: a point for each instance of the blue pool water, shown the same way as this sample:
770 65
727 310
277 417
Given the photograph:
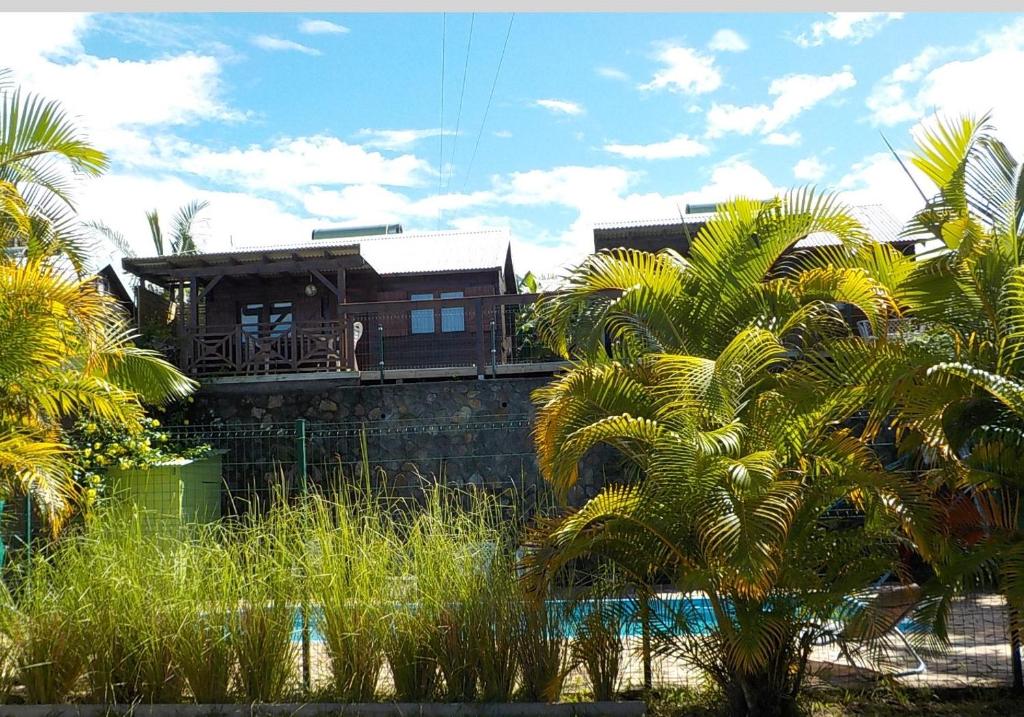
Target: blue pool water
665 615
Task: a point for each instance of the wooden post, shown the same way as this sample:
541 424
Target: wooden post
193 302
181 326
350 350
344 328
481 350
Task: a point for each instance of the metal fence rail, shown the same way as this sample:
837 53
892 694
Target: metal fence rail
401 456
405 456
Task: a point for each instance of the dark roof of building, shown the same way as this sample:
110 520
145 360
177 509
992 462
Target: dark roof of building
875 218
112 284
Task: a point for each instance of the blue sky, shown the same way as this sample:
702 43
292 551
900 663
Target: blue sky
285 122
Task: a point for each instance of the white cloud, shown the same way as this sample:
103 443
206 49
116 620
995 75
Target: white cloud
809 169
852 27
31 37
290 164
277 44
233 219
685 70
879 179
794 94
114 100
369 203
600 194
976 86
570 185
782 139
888 101
726 40
503 134
321 27
971 79
675 148
395 139
560 106
745 120
592 194
612 73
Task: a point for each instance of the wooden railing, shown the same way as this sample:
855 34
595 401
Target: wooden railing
253 349
478 333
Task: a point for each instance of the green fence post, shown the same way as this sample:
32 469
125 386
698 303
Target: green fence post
300 451
300 455
28 528
380 342
494 349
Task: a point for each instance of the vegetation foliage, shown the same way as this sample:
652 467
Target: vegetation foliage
730 379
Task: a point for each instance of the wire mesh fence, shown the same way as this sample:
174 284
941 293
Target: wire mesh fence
404 457
400 457
495 454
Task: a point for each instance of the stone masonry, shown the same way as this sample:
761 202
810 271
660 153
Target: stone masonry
460 432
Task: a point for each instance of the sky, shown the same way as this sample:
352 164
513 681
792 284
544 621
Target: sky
542 123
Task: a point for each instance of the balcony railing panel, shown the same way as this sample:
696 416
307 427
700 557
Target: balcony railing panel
253 349
479 333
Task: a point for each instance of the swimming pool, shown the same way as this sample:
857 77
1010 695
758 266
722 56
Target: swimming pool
665 613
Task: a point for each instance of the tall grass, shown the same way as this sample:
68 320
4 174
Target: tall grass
545 657
266 582
417 603
43 633
203 644
346 550
598 646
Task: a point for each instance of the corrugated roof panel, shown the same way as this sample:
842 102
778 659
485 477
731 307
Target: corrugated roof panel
410 252
875 218
405 253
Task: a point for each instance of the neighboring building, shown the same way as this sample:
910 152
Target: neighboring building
656 234
110 283
677 233
409 300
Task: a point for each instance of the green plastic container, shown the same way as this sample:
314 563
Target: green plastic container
179 491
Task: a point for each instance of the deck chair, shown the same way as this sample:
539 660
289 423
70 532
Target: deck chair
876 615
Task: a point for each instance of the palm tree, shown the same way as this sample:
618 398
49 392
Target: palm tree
65 352
742 270
38 145
182 236
955 387
691 369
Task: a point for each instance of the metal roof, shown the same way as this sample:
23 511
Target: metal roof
407 253
880 224
425 252
266 255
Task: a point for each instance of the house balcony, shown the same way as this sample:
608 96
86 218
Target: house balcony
376 341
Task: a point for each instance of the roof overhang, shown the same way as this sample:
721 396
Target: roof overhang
164 270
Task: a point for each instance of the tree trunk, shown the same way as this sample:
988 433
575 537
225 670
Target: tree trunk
759 696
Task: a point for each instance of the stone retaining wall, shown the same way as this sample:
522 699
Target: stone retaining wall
461 432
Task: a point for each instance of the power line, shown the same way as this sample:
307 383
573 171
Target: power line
490 97
440 134
462 94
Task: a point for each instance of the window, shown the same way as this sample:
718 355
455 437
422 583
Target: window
249 318
453 318
275 318
422 319
280 318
